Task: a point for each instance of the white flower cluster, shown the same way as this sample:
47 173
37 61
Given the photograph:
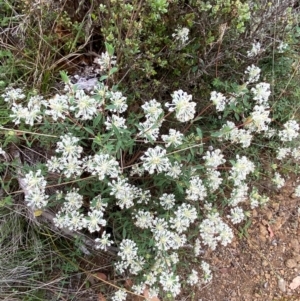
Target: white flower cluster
214 179
119 295
69 163
207 272
181 35
105 61
256 199
236 215
214 230
124 192
35 186
282 47
31 113
278 180
240 169
103 242
219 100
283 152
185 110
297 191
259 119
70 215
290 132
196 190
129 257
155 159
173 139
102 165
230 132
213 159
12 95
184 216
253 73
149 129
261 93
256 49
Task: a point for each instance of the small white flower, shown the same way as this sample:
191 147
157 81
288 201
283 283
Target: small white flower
119 295
105 61
214 158
103 242
196 190
118 102
253 73
193 278
181 35
185 110
283 152
167 201
261 93
236 215
13 94
170 282
155 159
174 138
297 191
85 106
59 107
219 100
256 48
175 170
68 146
290 132
278 180
115 120
152 109
206 271
282 47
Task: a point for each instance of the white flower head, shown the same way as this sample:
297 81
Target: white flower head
290 132
116 121
13 94
173 139
59 107
85 106
219 100
185 110
105 61
181 35
256 49
152 109
104 242
278 180
237 215
155 159
261 93
118 102
253 73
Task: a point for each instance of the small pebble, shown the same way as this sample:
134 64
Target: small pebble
282 285
291 263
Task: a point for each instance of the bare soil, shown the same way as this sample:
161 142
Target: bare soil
262 264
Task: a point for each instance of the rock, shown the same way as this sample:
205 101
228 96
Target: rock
282 285
264 263
295 245
291 263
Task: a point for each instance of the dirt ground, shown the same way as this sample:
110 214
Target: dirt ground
262 265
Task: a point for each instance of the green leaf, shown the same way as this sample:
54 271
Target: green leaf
109 48
89 131
64 76
103 77
113 70
199 132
